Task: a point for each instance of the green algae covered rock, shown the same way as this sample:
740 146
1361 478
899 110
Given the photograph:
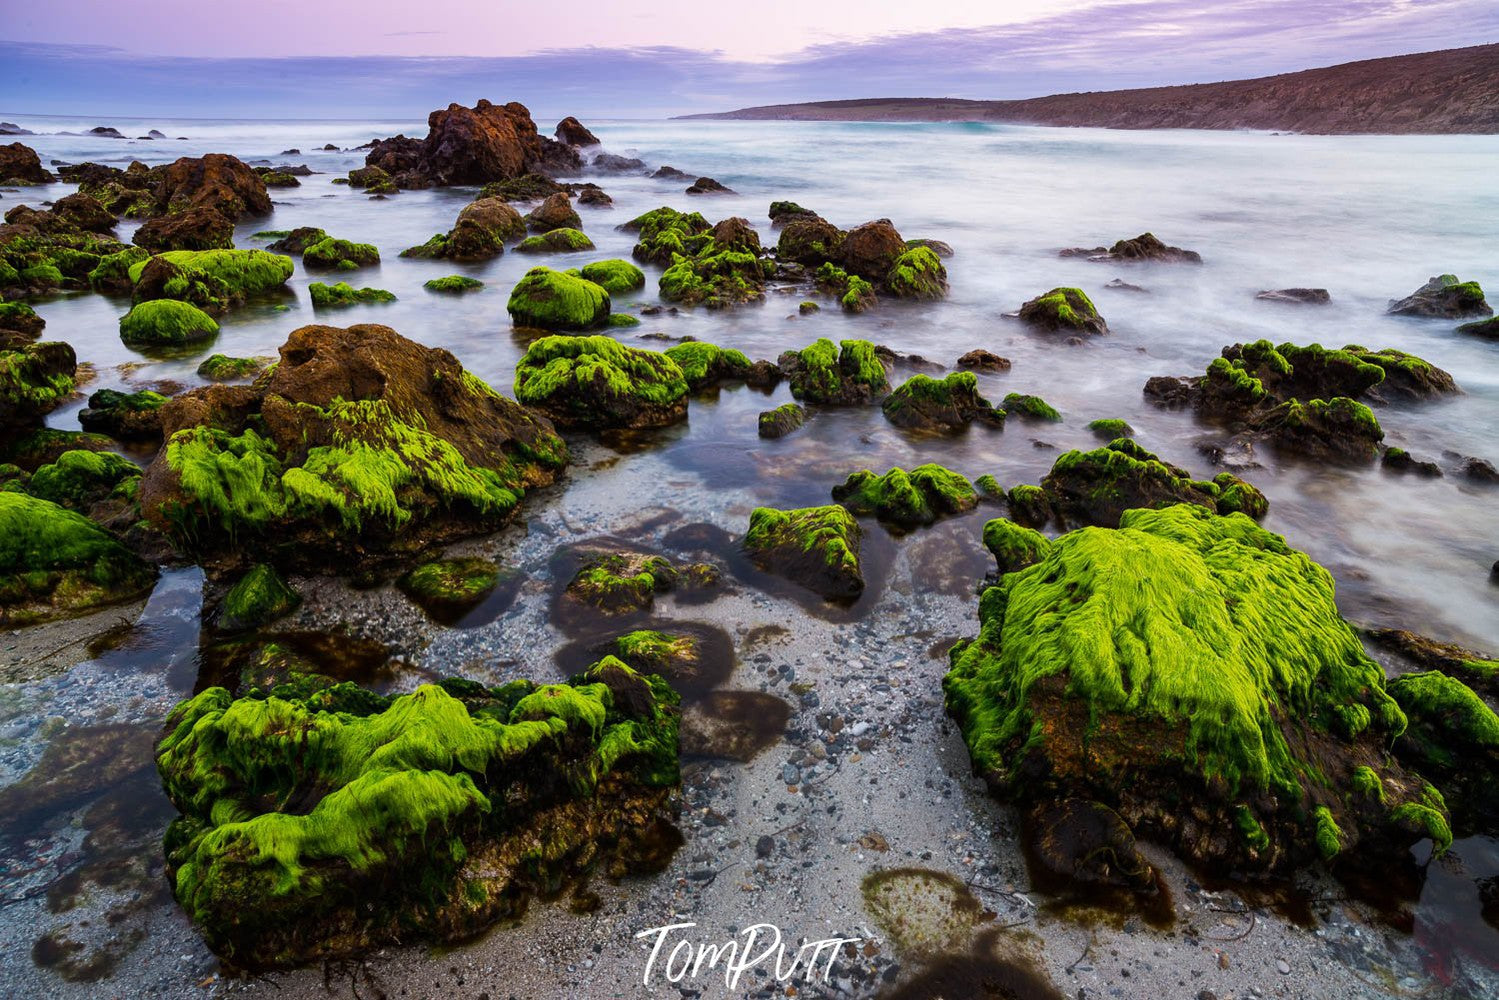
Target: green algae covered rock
1096 487
782 420
847 373
1335 428
1444 297
330 253
665 233
1031 408
614 276
555 300
124 416
1479 671
80 478
943 405
449 588
459 802
1452 739
357 450
256 599
111 275
597 382
814 547
1014 546
19 318
1191 672
222 368
34 381
453 283
908 499
917 274
166 321
556 241
715 278
704 364
854 294
344 294
1110 428
479 233
1064 310
1029 504
626 583
227 275
55 562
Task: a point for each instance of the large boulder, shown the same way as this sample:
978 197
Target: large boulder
944 405
871 251
458 801
357 450
599 383
575 133
1191 672
555 212
1145 247
814 547
192 229
556 300
216 181
809 241
664 234
34 380
488 142
844 374
20 164
1444 297
479 233
1063 310
213 280
908 499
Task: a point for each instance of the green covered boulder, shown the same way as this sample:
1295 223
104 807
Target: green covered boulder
908 499
258 598
814 547
556 241
597 383
166 321
343 294
848 373
1064 310
343 255
555 300
614 276
944 405
447 589
704 364
917 274
34 381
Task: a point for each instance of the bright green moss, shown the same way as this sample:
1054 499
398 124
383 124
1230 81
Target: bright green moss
1250 830
703 363
825 373
816 546
989 486
42 276
343 294
453 283
1366 781
714 278
949 403
1031 407
79 478
782 420
1109 429
554 300
1451 729
1029 503
19 316
918 274
1095 487
1014 546
112 273
556 241
1061 308
166 321
335 253
447 588
614 276
1328 837
243 272
54 561
619 583
222 368
599 382
257 598
34 380
665 233
919 497
649 650
617 320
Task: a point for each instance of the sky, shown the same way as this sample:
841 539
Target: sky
607 58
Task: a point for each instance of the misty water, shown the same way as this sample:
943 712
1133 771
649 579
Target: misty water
1368 218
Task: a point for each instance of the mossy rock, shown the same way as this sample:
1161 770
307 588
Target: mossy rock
1188 664
1479 671
258 598
343 294
944 405
295 241
1096 487
614 276
41 446
124 416
555 300
714 277
20 319
359 449
111 276
80 479
1339 428
1444 297
854 294
782 420
331 254
55 562
1029 407
447 589
704 364
626 583
1014 546
1452 739
1030 505
453 283
618 320
461 801
1110 428
222 368
34 381
598 383
908 499
213 280
665 233
847 373
166 321
917 274
814 547
556 241
1064 310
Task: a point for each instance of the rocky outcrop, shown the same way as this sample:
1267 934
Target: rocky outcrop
1443 297
813 547
1145 247
574 133
599 383
479 233
844 374
358 450
19 164
945 405
1064 310
870 250
908 499
193 229
215 181
488 142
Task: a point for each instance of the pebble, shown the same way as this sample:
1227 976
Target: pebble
1283 967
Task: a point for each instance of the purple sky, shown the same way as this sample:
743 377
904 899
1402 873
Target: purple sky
302 58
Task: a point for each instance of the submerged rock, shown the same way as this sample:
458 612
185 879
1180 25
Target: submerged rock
344 294
1190 672
258 598
132 416
814 547
453 284
222 368
984 361
945 405
449 588
782 420
212 280
626 583
846 374
296 241
358 449
532 786
1487 328
598 383
707 185
1296 296
166 321
343 255
704 365
1028 407
1064 310
1443 297
1452 738
917 274
908 499
1143 247
55 562
556 241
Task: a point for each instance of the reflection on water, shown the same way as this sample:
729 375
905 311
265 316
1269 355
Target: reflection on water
1369 218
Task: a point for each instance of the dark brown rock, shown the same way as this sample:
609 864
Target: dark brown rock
488 142
193 229
984 361
19 162
707 185
1297 296
574 133
217 181
556 212
870 250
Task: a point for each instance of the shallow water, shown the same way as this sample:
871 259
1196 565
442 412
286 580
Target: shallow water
1369 218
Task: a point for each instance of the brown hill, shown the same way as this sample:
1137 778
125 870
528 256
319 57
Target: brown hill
1451 91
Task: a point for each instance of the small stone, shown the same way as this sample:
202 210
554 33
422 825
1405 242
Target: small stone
791 774
1283 967
765 846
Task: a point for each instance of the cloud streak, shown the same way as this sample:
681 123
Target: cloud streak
1113 44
